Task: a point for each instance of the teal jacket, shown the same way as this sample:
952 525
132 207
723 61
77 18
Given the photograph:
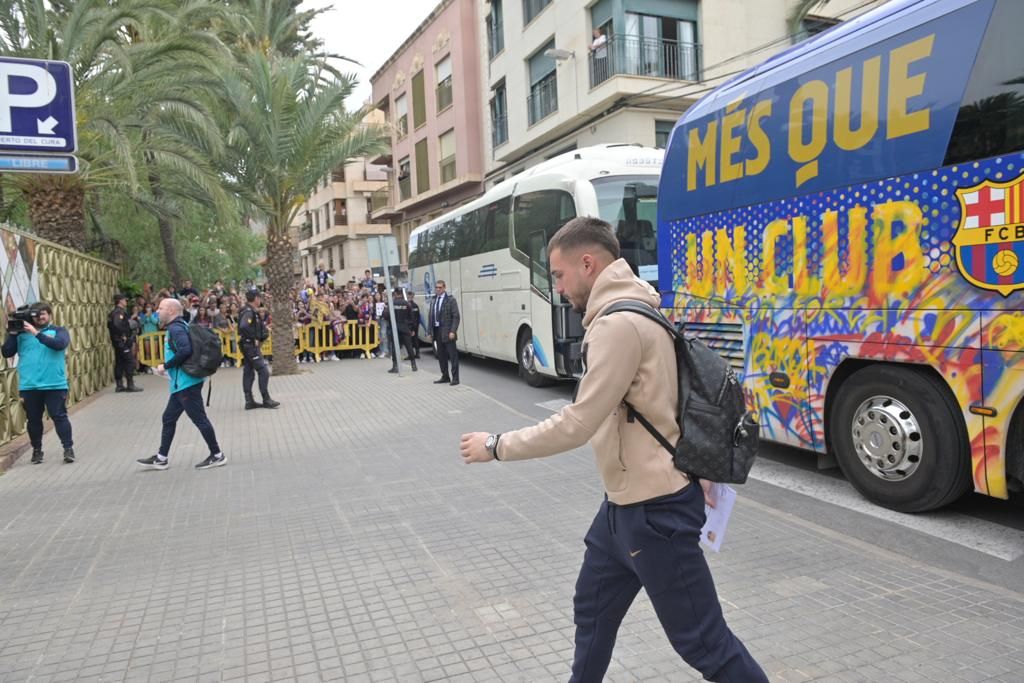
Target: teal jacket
177 338
41 363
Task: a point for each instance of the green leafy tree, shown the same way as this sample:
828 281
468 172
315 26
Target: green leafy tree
288 128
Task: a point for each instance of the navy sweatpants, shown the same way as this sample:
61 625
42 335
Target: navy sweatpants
654 545
190 402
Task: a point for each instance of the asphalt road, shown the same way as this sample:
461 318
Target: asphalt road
978 536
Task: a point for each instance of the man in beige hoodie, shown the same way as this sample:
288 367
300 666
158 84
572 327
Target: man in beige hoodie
647 530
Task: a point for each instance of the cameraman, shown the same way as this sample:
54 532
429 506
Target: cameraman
42 378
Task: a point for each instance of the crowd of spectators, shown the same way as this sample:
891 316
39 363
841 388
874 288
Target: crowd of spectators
319 299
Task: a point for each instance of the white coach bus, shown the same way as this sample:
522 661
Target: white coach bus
492 253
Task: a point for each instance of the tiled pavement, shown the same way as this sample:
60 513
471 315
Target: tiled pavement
346 541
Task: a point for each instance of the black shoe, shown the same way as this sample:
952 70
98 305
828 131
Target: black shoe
443 380
213 461
251 405
154 462
393 370
120 389
455 383
133 389
69 455
37 456
414 368
270 403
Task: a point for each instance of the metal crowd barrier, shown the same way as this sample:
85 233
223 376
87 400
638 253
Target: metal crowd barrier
316 338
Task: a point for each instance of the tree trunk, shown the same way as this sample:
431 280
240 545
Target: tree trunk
281 278
166 228
56 209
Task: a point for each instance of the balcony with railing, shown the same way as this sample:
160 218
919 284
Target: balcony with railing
404 188
495 37
543 99
639 56
444 94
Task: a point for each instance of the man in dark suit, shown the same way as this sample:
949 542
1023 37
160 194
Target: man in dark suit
444 327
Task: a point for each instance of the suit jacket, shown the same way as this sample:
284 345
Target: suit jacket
449 317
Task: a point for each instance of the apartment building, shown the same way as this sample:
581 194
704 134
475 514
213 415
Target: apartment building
562 74
334 224
430 92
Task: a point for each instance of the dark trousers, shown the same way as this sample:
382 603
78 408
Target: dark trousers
447 351
253 363
190 402
406 341
54 402
124 363
654 545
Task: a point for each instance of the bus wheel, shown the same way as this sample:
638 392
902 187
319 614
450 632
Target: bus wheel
528 361
900 438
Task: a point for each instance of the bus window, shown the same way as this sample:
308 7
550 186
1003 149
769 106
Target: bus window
494 225
414 256
631 206
465 235
991 117
545 212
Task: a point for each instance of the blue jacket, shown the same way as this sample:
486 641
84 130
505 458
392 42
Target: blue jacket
177 338
41 364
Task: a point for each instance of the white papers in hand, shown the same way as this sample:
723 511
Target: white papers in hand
713 533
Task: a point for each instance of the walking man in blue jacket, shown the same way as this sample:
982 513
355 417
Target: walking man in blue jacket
42 377
186 391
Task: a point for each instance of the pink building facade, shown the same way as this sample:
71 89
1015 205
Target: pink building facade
430 93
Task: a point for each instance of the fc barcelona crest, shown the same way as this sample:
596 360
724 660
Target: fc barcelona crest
989 240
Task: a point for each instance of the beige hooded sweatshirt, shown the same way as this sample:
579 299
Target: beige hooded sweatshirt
627 358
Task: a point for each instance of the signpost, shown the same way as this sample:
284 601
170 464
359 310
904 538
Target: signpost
38 133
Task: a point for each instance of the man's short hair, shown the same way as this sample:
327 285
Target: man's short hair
583 232
251 294
40 306
442 283
119 297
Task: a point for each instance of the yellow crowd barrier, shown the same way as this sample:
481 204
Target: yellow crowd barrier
317 338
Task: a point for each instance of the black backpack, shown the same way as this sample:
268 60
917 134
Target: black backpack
206 352
718 435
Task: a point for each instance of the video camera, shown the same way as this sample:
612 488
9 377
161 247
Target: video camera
17 319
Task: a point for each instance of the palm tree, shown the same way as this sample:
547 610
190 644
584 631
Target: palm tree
288 128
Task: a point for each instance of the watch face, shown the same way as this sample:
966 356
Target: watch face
490 441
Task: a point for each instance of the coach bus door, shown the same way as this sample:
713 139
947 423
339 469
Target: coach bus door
566 323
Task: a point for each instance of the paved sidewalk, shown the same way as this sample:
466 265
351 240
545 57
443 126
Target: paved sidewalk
346 541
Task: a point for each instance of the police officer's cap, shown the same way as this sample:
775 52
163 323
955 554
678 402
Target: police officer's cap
119 297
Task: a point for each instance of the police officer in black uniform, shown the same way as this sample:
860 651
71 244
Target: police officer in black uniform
252 332
414 323
403 316
122 337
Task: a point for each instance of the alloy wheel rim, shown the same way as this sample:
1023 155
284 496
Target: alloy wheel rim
887 438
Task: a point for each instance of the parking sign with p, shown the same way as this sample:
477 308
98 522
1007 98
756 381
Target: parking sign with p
37 106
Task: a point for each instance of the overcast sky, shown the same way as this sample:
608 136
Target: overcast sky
368 31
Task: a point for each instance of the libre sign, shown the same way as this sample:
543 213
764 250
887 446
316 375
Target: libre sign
37 106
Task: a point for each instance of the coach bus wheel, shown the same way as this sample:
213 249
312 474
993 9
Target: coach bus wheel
528 361
900 438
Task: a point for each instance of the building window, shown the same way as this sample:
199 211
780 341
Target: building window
662 129
330 258
495 30
812 26
316 222
338 175
402 116
447 156
404 180
340 212
531 8
444 83
419 102
499 116
543 99
663 47
422 167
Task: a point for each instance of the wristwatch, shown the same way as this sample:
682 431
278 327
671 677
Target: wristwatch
492 445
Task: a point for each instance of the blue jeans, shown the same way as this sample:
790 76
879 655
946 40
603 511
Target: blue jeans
654 545
190 402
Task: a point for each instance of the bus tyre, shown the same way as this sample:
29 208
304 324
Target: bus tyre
900 438
528 361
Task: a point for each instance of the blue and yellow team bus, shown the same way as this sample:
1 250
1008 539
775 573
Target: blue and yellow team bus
846 223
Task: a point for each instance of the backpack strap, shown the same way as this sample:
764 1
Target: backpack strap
647 311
